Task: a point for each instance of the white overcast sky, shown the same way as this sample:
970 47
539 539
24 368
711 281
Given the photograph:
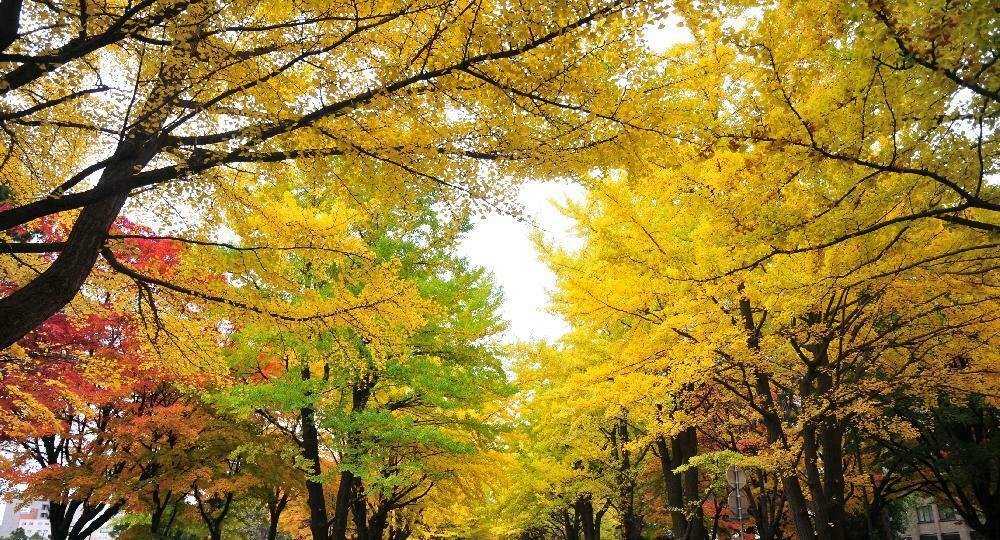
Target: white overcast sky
503 245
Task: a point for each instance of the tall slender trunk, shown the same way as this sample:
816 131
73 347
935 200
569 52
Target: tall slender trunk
767 507
213 522
570 522
315 497
632 520
347 490
798 508
797 505
832 442
160 521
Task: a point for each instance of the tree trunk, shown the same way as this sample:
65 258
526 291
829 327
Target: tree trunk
797 505
342 506
376 525
584 508
631 519
157 526
60 518
832 442
360 511
315 498
29 306
571 525
92 518
10 22
683 494
26 308
688 447
274 509
347 489
674 489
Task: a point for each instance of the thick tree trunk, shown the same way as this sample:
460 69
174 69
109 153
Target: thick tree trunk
360 511
10 22
60 519
29 306
687 445
683 494
823 453
342 506
584 508
674 488
377 524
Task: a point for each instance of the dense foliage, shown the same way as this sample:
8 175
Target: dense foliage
231 304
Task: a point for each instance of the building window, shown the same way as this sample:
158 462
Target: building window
928 537
951 536
924 515
946 513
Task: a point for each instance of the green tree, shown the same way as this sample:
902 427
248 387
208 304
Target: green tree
381 410
17 534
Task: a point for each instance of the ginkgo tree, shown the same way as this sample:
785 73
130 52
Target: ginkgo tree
175 109
815 346
380 406
807 236
846 119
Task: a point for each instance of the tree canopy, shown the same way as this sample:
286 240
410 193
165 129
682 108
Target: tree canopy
233 302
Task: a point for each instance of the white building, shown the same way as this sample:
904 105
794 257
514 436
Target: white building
33 518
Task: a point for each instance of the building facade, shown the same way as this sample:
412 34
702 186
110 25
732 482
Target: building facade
930 521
